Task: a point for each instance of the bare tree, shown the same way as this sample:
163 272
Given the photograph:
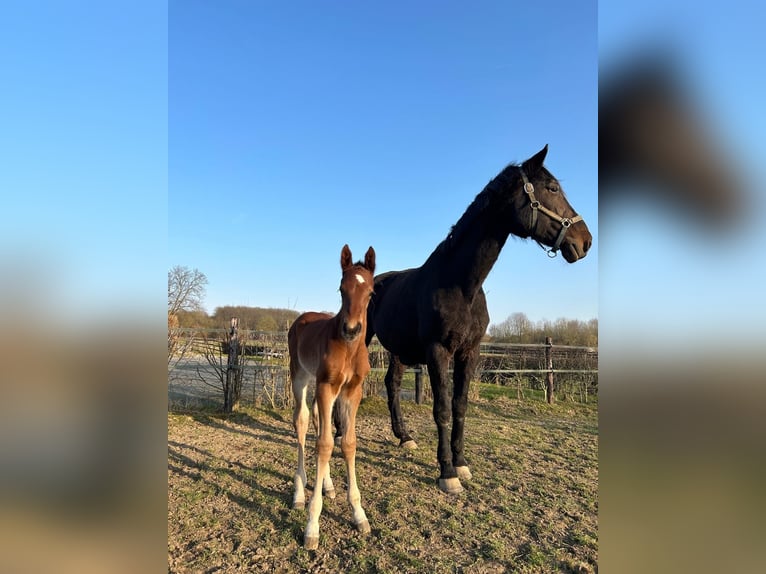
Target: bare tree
186 289
516 327
225 369
178 344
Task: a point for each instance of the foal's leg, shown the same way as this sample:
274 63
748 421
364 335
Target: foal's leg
393 385
350 397
438 362
328 489
300 381
465 364
325 396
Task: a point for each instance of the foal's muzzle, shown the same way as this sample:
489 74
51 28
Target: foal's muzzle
351 333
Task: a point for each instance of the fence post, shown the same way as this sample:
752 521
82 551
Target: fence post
418 384
233 372
549 366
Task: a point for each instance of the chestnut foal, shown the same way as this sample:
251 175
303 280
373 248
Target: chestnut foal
331 351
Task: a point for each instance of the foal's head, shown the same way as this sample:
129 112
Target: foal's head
355 291
540 210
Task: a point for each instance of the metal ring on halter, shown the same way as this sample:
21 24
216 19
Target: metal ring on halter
528 187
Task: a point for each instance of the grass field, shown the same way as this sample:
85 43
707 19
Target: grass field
532 505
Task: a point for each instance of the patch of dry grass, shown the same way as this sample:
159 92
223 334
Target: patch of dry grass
531 505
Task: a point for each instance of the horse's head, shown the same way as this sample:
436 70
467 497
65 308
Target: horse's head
541 210
651 134
355 291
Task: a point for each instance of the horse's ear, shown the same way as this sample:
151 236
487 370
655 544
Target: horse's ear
369 260
534 163
345 258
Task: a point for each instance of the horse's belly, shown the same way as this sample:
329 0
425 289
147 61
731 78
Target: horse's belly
409 351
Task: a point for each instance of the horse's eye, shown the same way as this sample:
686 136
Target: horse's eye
553 188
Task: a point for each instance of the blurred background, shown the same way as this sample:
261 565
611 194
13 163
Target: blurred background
83 238
681 92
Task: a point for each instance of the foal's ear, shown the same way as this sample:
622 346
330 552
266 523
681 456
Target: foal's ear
345 258
534 163
369 260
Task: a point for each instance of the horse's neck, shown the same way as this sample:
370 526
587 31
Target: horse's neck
468 263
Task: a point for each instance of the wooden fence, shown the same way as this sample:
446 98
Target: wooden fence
204 369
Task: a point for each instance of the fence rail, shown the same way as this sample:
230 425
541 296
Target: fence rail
197 356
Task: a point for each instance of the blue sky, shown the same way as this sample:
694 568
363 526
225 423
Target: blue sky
293 129
83 148
664 282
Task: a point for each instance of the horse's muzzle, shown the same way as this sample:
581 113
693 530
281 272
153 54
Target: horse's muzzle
350 333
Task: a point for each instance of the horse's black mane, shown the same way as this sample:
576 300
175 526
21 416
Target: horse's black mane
481 202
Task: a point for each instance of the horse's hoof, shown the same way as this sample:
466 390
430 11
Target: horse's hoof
409 445
329 493
450 485
463 472
363 527
311 542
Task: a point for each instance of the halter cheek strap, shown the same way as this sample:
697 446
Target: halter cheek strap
566 222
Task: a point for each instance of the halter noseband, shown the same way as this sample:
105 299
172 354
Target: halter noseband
565 222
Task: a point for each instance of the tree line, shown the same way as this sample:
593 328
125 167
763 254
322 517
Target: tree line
250 318
186 291
518 328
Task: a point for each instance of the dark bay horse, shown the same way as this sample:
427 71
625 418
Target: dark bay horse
331 350
438 311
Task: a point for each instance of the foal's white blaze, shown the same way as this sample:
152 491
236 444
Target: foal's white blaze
359 278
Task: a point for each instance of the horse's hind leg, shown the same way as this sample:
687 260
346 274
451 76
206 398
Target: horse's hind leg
393 380
339 424
300 381
348 402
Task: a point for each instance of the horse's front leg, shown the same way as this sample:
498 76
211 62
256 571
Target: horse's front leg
465 365
393 381
438 362
348 402
328 489
325 397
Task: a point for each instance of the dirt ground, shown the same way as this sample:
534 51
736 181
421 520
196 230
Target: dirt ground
531 505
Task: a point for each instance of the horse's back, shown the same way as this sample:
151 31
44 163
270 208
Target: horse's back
393 315
305 339
409 312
